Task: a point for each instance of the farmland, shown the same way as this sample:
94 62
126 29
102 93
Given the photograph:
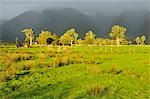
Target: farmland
73 72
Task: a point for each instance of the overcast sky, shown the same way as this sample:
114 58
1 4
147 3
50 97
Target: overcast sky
12 8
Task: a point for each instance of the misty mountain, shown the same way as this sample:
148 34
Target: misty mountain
59 20
2 21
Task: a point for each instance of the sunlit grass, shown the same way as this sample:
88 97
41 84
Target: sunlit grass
75 72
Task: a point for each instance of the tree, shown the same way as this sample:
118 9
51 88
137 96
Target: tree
80 41
43 36
69 37
138 40
89 38
117 32
46 37
18 44
55 39
143 38
124 42
29 33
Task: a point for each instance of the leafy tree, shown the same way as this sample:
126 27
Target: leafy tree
143 38
129 42
124 41
112 42
29 33
69 37
55 39
45 35
89 38
138 40
80 41
101 41
117 32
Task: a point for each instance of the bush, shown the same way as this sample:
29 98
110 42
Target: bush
94 69
7 74
96 90
55 62
52 52
64 61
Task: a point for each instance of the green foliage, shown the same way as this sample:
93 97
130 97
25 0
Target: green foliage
101 41
89 38
140 40
80 42
69 37
55 38
44 35
29 33
117 32
143 38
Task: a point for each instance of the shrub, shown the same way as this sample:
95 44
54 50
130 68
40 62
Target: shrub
13 58
64 61
76 59
26 57
17 57
115 71
7 73
52 52
55 62
28 65
96 90
94 70
43 56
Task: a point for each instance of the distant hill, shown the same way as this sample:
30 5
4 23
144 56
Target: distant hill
2 21
136 23
58 21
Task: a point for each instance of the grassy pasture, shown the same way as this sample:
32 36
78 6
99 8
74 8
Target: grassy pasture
96 72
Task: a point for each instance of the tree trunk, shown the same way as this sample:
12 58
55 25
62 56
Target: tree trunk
71 42
30 41
118 42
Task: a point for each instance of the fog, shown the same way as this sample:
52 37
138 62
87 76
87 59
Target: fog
12 8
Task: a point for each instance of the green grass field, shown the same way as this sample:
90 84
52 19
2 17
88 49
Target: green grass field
96 72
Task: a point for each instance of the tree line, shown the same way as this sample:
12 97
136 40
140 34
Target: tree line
70 37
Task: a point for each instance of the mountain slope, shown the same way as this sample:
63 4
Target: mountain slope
58 21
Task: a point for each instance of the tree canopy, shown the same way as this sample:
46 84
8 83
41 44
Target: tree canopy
29 33
45 35
69 37
89 38
118 33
